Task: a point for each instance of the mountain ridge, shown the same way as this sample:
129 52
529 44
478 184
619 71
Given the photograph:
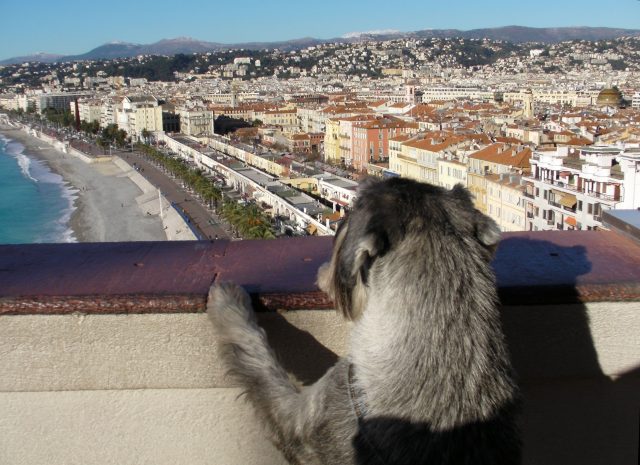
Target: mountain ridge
516 34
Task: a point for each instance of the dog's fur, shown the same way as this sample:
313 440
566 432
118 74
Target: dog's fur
428 377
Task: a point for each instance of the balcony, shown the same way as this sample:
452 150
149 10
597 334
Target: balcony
573 188
607 197
106 355
564 185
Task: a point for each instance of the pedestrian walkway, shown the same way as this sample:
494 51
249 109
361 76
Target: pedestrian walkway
209 225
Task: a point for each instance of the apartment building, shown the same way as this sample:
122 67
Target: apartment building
345 137
197 122
88 110
108 113
332 141
311 120
635 101
371 139
451 171
430 94
285 119
495 159
58 101
505 201
401 162
335 147
569 188
306 143
551 97
138 113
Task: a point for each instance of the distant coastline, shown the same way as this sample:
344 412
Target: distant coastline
105 207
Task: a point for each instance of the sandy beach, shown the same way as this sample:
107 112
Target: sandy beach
106 209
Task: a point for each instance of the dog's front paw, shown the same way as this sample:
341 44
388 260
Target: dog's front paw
229 305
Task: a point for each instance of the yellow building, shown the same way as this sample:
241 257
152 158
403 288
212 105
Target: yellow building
286 119
401 160
420 156
505 202
497 158
451 172
332 141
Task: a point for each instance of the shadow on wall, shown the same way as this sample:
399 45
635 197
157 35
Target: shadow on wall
572 412
298 351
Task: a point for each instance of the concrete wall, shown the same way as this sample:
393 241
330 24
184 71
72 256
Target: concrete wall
95 389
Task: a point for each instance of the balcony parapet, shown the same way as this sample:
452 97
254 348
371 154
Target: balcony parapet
574 189
173 277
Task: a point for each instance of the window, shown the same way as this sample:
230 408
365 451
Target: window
579 205
590 208
597 209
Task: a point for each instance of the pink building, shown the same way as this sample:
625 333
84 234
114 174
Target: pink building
370 139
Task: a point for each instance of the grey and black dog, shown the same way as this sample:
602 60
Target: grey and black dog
427 379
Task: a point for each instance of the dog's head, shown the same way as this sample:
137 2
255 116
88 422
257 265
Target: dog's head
389 212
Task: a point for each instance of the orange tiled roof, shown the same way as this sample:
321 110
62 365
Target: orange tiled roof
444 141
505 154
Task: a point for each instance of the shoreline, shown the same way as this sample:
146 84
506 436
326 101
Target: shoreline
107 206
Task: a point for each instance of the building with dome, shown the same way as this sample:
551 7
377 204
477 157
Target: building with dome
609 97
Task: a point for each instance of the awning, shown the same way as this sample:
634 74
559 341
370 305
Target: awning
568 200
571 221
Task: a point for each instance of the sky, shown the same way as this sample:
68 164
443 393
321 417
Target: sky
69 27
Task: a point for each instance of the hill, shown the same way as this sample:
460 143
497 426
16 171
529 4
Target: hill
186 45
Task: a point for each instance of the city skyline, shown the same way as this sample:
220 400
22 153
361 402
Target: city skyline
71 28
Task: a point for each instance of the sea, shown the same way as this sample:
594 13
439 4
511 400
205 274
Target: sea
35 203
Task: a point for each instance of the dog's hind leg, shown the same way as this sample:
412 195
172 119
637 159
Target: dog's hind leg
250 359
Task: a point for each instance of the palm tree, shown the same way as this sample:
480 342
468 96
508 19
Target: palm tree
145 135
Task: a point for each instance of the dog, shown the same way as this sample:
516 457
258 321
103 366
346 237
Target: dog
427 379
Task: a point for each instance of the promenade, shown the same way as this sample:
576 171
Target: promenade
207 224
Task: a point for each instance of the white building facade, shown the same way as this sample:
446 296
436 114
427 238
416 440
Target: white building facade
570 188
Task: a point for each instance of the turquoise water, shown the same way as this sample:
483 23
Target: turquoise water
35 204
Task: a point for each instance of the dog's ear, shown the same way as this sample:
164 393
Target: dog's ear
345 278
462 193
366 184
485 229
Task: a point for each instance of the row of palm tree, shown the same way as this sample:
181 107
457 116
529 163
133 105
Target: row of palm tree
248 220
